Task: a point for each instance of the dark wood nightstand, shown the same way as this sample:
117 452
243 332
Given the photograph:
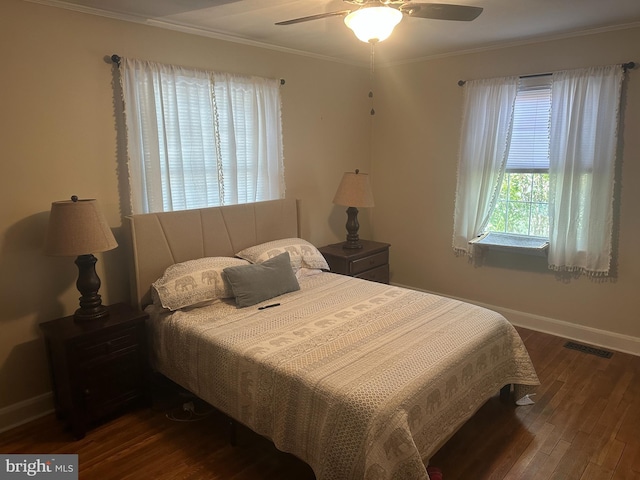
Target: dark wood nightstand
371 262
97 367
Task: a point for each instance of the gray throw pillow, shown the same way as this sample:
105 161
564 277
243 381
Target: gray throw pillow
253 284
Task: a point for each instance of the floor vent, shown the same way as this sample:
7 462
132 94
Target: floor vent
587 349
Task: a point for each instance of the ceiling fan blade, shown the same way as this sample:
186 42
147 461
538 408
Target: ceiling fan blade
441 11
314 17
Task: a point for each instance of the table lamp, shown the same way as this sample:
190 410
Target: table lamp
354 192
78 228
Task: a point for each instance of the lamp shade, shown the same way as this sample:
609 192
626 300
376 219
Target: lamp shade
373 24
354 190
77 227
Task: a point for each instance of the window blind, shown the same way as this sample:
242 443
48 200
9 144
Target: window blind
529 148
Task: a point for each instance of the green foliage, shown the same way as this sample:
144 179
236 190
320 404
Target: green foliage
523 205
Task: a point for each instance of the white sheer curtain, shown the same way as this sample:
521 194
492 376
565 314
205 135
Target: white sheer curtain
485 138
198 138
252 137
583 142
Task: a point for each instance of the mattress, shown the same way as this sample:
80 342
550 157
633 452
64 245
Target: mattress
360 380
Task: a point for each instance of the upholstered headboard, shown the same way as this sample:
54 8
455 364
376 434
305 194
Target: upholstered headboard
159 240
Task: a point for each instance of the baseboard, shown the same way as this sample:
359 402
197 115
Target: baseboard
25 411
560 328
572 331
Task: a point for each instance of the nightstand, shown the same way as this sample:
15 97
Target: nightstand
97 367
371 262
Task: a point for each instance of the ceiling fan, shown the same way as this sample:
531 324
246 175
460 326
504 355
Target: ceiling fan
374 20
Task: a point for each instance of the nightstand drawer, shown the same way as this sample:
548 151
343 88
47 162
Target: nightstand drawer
379 274
104 345
370 262
105 387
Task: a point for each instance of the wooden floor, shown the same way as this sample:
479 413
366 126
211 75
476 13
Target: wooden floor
585 425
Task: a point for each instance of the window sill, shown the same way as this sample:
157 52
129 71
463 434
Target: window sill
507 242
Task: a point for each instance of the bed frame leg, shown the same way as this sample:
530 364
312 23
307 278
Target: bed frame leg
505 393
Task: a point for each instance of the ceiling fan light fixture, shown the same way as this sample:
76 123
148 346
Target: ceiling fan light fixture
373 24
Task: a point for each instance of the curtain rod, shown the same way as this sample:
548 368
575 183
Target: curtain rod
625 67
116 59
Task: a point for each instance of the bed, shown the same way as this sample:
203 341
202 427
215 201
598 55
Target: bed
361 380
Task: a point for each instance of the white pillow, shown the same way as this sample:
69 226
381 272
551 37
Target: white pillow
307 272
302 253
194 282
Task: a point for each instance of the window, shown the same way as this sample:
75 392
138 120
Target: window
523 202
198 139
504 154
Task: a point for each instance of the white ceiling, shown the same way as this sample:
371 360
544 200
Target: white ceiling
252 21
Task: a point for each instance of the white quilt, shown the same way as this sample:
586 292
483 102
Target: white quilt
361 380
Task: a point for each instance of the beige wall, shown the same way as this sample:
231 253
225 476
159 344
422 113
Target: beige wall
419 112
58 137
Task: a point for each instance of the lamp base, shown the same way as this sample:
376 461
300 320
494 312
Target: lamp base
84 315
353 240
353 245
88 284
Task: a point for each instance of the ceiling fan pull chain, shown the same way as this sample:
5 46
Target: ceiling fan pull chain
372 76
